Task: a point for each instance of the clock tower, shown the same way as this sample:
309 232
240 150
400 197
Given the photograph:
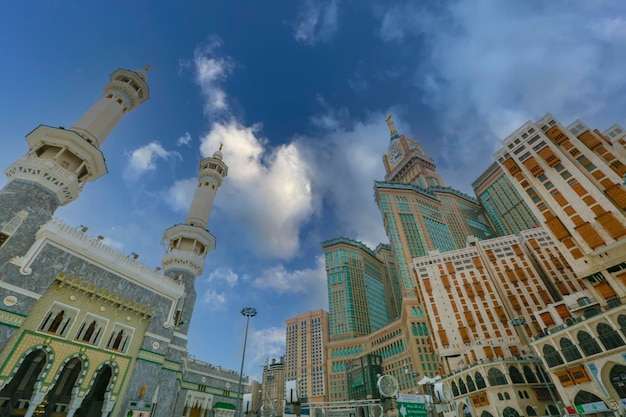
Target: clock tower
407 163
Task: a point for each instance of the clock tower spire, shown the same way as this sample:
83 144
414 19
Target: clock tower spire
407 163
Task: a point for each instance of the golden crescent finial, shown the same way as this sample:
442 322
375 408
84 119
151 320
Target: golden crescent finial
147 68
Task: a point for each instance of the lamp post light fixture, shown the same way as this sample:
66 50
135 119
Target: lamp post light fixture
248 312
520 322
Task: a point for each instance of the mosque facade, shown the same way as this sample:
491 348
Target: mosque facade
86 330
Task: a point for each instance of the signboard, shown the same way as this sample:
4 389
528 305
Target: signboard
410 405
591 407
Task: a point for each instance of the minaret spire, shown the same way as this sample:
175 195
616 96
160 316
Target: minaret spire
189 243
63 160
124 93
392 127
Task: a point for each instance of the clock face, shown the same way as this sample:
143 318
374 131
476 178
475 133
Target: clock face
387 386
396 155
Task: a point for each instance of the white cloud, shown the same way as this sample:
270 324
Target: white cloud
267 343
180 194
331 118
310 282
346 162
492 66
224 274
269 189
144 159
215 300
316 22
184 139
211 71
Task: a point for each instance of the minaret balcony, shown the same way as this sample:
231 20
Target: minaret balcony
47 173
82 148
188 232
185 260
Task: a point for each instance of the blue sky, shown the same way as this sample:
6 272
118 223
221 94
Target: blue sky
297 91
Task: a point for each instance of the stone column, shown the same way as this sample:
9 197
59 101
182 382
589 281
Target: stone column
75 402
107 405
35 399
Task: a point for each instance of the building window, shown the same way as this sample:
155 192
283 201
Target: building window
120 338
553 358
496 377
90 331
588 344
609 337
58 320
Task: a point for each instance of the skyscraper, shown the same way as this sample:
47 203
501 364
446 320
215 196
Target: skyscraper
357 292
420 213
571 178
504 206
306 336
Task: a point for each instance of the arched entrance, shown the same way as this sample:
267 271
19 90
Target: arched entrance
617 376
464 410
59 396
92 404
510 412
591 404
15 396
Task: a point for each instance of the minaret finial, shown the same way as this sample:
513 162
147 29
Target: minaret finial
392 127
147 68
221 146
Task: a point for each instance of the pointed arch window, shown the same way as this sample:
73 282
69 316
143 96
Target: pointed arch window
480 381
570 351
120 338
58 320
553 358
455 389
470 384
529 375
609 337
462 386
91 330
496 377
588 344
510 412
516 376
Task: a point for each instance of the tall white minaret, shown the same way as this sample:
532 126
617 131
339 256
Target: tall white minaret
63 160
188 243
124 93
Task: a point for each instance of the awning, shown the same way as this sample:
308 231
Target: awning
224 406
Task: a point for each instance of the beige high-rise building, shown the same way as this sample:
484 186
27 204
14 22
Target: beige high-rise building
273 386
571 178
307 334
474 296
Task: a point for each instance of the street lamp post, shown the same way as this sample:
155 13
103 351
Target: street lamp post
520 322
248 312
